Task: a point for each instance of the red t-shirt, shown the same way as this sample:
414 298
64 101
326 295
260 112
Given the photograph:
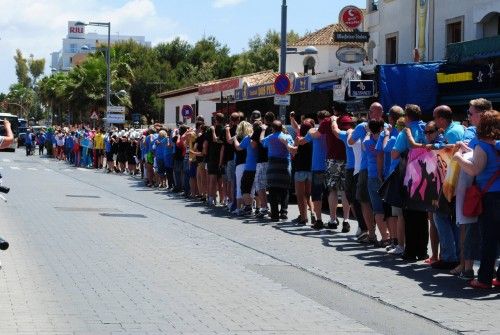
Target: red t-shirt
336 148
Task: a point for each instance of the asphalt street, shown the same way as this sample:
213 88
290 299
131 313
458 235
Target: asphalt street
96 253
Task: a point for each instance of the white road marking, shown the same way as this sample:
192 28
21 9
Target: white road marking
82 169
32 169
48 170
15 168
6 160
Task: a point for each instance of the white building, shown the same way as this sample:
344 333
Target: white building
77 44
397 27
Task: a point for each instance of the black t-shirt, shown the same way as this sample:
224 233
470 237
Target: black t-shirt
261 151
241 155
303 157
229 148
214 148
199 146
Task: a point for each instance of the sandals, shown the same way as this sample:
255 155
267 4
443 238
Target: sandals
477 284
345 226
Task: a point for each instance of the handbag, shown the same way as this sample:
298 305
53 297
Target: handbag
473 200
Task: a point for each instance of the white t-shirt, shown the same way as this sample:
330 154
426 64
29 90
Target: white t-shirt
356 148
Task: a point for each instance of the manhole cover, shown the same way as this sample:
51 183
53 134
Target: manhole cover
85 209
123 215
82 196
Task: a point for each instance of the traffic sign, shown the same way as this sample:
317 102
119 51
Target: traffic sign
282 100
282 84
116 109
94 116
115 118
351 36
187 111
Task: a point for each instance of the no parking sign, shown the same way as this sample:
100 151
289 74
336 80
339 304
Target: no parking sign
187 111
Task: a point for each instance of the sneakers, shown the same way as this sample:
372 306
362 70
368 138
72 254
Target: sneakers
247 211
333 224
283 216
261 213
318 224
396 251
298 221
346 227
237 212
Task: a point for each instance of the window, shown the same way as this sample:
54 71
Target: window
373 5
391 48
455 30
177 114
73 48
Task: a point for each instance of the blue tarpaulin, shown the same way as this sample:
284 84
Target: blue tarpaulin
401 84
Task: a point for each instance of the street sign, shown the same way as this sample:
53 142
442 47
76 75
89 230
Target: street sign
350 54
136 117
94 116
351 36
351 17
282 84
361 88
116 109
187 111
282 100
115 118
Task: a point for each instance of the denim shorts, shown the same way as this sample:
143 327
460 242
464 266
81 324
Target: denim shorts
193 166
317 185
230 174
261 176
302 176
375 199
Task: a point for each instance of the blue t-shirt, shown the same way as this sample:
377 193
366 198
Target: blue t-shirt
389 163
251 160
28 139
319 152
69 142
160 148
469 134
359 133
275 148
417 129
369 146
107 144
454 133
492 166
349 164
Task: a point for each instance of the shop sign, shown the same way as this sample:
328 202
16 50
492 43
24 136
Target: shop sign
351 54
115 109
300 85
351 17
219 86
361 88
75 31
351 36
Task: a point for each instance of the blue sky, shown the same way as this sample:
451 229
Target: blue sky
38 26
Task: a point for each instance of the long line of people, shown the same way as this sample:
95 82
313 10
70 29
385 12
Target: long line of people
248 166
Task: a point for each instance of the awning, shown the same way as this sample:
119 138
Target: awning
477 49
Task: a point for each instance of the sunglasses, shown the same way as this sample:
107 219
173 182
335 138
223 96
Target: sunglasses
428 132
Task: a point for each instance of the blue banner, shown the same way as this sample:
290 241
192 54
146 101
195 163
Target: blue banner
401 84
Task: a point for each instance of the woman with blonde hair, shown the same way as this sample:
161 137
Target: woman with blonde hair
243 129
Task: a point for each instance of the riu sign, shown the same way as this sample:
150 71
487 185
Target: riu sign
74 30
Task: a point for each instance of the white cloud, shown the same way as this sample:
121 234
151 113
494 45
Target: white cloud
226 3
38 26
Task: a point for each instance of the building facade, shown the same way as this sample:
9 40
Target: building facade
78 43
398 27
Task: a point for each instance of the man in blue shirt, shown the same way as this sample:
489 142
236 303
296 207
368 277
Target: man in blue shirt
278 170
448 232
248 178
376 112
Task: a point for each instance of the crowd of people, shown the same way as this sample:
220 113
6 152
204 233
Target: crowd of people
249 166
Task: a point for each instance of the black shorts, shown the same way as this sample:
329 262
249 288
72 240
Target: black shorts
362 187
350 185
99 152
109 156
247 181
317 185
213 169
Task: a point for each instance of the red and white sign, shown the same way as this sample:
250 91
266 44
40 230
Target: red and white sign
220 86
75 31
351 17
94 116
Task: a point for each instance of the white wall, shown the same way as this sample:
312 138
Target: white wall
178 101
206 109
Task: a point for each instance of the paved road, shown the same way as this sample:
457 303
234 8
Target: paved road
98 253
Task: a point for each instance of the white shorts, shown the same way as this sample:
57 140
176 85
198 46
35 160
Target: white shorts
239 173
261 177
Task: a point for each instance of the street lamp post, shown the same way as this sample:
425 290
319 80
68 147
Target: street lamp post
282 112
108 59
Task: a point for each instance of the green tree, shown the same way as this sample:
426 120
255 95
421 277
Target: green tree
22 69
36 67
